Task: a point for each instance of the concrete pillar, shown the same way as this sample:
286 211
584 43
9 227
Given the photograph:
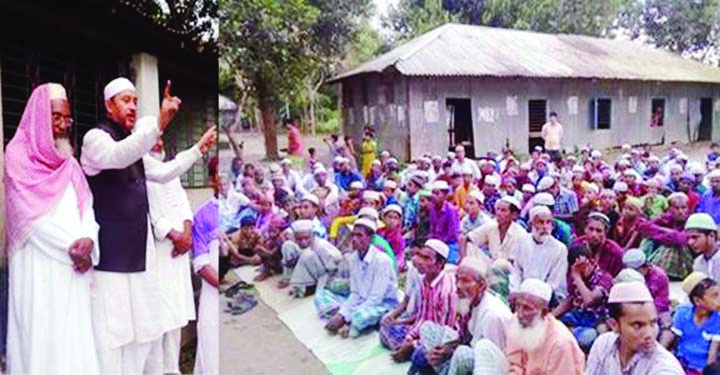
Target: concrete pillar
147 84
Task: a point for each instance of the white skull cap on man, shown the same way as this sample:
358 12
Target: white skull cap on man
117 86
536 288
57 91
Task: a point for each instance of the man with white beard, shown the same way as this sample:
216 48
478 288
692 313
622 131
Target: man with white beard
541 256
482 318
52 244
537 343
172 222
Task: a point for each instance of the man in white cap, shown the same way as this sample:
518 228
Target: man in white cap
346 176
465 188
657 282
491 193
308 209
52 243
128 305
710 200
540 255
461 162
566 202
537 343
307 261
438 298
501 236
482 318
390 192
293 178
373 287
445 220
631 348
528 191
702 234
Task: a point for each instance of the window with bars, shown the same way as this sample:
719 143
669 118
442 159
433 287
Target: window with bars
600 113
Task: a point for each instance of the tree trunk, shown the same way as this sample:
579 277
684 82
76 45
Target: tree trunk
270 131
313 120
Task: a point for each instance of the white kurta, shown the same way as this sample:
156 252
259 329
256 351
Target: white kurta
49 315
207 357
128 306
547 262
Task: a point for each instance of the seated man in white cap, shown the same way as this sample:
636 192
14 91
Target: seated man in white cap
52 244
125 278
475 215
501 236
461 162
491 193
710 200
631 348
345 176
482 318
537 343
657 282
390 192
566 202
702 235
438 297
561 230
308 261
540 256
309 205
373 287
445 220
292 176
392 233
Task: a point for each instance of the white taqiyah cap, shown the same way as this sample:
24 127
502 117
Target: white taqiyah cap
537 288
539 210
366 223
439 247
368 212
302 226
57 91
117 86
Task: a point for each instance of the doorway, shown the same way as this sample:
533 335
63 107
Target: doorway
706 110
537 115
460 126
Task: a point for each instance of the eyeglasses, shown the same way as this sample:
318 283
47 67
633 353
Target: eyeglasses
58 118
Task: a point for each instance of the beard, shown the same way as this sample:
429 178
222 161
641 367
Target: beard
463 306
540 237
64 148
528 338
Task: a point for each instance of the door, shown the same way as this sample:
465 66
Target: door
705 131
460 129
537 115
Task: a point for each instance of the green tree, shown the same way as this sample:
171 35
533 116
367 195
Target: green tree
286 49
687 27
194 18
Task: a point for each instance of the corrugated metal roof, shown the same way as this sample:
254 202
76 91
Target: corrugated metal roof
466 50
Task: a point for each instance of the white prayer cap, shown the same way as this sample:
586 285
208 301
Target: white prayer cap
696 168
525 166
302 226
682 157
624 162
478 196
654 158
319 170
578 169
56 91
376 162
385 154
366 223
274 168
392 208
439 247
634 258
117 86
451 155
390 184
592 187
715 173
528 188
511 201
285 161
628 275
620 187
677 195
596 154
631 291
338 160
676 167
477 265
492 180
545 183
536 288
371 195
312 198
538 148
543 199
436 157
368 212
466 170
626 147
440 185
392 161
356 185
539 210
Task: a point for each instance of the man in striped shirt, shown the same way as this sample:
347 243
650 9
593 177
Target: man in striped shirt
438 294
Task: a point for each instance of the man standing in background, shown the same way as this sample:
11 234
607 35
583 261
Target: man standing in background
552 133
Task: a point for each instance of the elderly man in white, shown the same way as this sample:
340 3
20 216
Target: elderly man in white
129 311
541 256
172 223
52 244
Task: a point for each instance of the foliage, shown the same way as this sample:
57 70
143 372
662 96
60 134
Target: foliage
688 27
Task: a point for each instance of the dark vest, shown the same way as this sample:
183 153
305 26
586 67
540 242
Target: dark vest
121 209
